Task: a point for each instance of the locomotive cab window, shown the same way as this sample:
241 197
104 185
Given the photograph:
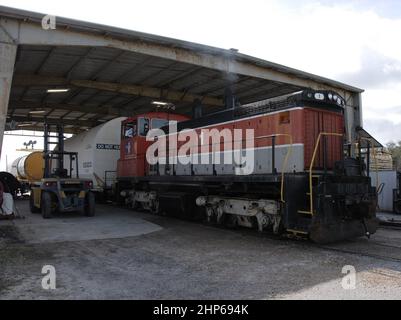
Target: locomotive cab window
144 126
130 130
159 123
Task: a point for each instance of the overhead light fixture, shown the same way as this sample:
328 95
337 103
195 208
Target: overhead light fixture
161 103
164 105
57 90
37 111
26 124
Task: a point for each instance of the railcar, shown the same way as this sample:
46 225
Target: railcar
284 167
98 150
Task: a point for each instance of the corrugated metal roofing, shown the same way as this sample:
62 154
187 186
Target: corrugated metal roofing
122 67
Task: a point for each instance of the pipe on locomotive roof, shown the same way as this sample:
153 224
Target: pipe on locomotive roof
229 98
197 109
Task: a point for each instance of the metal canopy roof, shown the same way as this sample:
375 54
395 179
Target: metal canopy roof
113 72
366 138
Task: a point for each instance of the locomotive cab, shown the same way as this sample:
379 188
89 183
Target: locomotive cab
132 162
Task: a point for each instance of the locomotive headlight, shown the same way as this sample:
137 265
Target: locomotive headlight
319 96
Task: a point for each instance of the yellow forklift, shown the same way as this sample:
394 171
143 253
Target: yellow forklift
61 190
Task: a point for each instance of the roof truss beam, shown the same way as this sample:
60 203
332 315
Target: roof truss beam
104 110
145 91
137 90
39 127
41 119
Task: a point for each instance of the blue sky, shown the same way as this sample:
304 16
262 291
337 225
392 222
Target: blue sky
356 42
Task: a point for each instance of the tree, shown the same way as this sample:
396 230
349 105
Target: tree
395 150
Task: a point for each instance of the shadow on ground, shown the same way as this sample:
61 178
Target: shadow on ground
120 254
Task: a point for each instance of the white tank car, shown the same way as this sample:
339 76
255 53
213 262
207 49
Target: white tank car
98 151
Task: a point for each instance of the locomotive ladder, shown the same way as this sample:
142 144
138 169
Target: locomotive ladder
311 175
370 146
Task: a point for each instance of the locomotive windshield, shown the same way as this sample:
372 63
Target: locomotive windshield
143 126
159 123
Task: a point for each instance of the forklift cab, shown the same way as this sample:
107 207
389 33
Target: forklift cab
61 189
57 170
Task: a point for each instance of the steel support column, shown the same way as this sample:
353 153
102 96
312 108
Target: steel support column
353 119
7 59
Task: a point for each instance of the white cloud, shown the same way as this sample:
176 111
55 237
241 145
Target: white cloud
384 130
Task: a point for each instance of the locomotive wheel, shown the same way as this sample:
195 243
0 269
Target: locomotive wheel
32 204
230 221
135 205
89 209
46 205
155 208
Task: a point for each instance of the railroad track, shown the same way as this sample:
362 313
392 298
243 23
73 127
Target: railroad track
390 221
375 248
365 251
394 251
390 225
372 249
366 254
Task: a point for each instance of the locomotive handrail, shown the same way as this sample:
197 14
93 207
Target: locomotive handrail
313 163
370 140
286 160
273 136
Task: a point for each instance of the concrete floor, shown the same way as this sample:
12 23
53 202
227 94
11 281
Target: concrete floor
121 254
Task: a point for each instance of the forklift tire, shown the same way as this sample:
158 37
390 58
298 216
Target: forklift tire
46 205
32 204
90 202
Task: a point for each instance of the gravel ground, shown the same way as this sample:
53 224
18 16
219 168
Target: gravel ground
121 254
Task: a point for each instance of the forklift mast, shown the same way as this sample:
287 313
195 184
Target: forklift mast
58 155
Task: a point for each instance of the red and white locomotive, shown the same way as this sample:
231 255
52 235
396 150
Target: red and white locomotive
281 167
